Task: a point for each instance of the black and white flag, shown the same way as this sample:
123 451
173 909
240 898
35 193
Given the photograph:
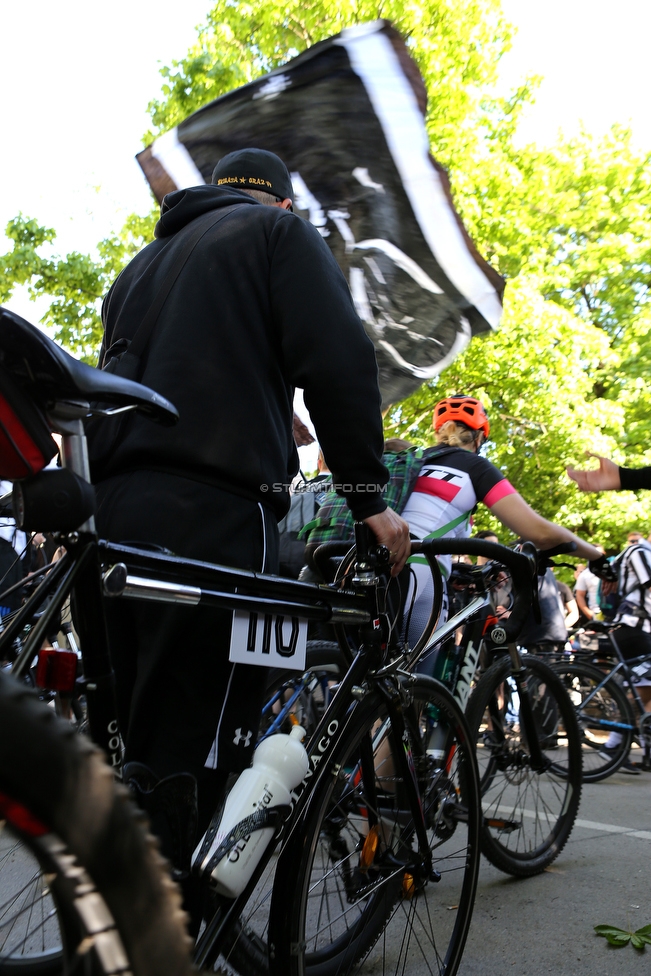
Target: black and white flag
347 117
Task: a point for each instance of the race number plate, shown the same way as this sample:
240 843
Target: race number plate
268 640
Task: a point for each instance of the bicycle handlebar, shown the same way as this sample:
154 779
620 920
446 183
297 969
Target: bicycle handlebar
521 564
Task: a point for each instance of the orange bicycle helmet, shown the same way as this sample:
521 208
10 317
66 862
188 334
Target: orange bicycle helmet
463 410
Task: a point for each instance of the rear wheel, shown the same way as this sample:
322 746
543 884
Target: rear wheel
293 698
361 894
599 711
528 813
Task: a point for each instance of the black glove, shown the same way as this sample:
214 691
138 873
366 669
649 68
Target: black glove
603 569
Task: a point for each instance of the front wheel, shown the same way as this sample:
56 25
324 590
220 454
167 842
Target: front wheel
528 812
361 892
601 708
83 887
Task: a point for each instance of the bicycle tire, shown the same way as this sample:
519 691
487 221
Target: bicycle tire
344 916
609 705
116 908
528 814
247 943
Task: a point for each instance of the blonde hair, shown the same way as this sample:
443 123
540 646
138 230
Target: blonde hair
456 435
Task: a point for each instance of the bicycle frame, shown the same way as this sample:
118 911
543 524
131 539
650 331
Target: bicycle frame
483 637
306 682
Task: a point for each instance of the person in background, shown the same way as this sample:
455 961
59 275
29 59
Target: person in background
13 558
633 615
585 592
306 497
569 603
488 536
549 636
632 622
449 487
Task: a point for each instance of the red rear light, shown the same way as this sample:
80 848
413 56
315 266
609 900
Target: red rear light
20 817
56 670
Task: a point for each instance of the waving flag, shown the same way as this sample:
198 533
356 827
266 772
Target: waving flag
347 117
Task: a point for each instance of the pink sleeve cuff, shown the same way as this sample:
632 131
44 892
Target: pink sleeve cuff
499 491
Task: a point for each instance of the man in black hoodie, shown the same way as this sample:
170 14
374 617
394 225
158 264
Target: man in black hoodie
259 308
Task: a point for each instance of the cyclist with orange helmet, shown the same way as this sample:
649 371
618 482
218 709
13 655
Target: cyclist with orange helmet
451 484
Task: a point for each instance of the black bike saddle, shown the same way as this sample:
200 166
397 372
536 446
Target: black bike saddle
49 373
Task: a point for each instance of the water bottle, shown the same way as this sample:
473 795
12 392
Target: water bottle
446 668
280 763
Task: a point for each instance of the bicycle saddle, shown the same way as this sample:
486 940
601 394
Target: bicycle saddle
48 373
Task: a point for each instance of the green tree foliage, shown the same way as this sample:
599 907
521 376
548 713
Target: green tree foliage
568 227
457 48
536 377
76 283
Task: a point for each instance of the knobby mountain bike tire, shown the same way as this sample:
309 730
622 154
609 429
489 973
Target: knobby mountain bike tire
528 814
356 902
83 888
607 710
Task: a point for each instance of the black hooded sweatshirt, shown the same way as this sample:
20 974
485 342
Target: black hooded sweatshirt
261 307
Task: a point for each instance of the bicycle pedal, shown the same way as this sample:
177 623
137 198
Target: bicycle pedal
505 826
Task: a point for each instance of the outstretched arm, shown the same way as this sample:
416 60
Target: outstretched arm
604 478
517 515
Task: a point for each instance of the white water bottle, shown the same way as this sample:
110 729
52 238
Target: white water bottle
279 764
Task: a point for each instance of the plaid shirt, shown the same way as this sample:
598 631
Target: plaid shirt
334 522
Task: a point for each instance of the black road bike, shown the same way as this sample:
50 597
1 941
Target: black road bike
380 844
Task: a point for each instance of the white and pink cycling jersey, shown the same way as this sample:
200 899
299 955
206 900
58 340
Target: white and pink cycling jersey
440 506
446 493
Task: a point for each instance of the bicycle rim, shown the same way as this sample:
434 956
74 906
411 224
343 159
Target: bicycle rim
358 902
30 935
528 813
598 713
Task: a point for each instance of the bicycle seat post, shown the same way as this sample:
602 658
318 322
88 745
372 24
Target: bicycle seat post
68 418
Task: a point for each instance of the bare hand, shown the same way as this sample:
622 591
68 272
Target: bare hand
604 478
393 532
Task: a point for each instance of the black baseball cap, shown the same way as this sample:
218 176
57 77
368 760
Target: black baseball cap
254 169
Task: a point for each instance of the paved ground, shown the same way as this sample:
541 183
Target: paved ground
545 924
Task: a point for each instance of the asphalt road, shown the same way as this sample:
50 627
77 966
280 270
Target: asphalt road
546 924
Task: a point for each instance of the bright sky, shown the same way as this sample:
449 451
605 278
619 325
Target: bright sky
77 76
594 57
